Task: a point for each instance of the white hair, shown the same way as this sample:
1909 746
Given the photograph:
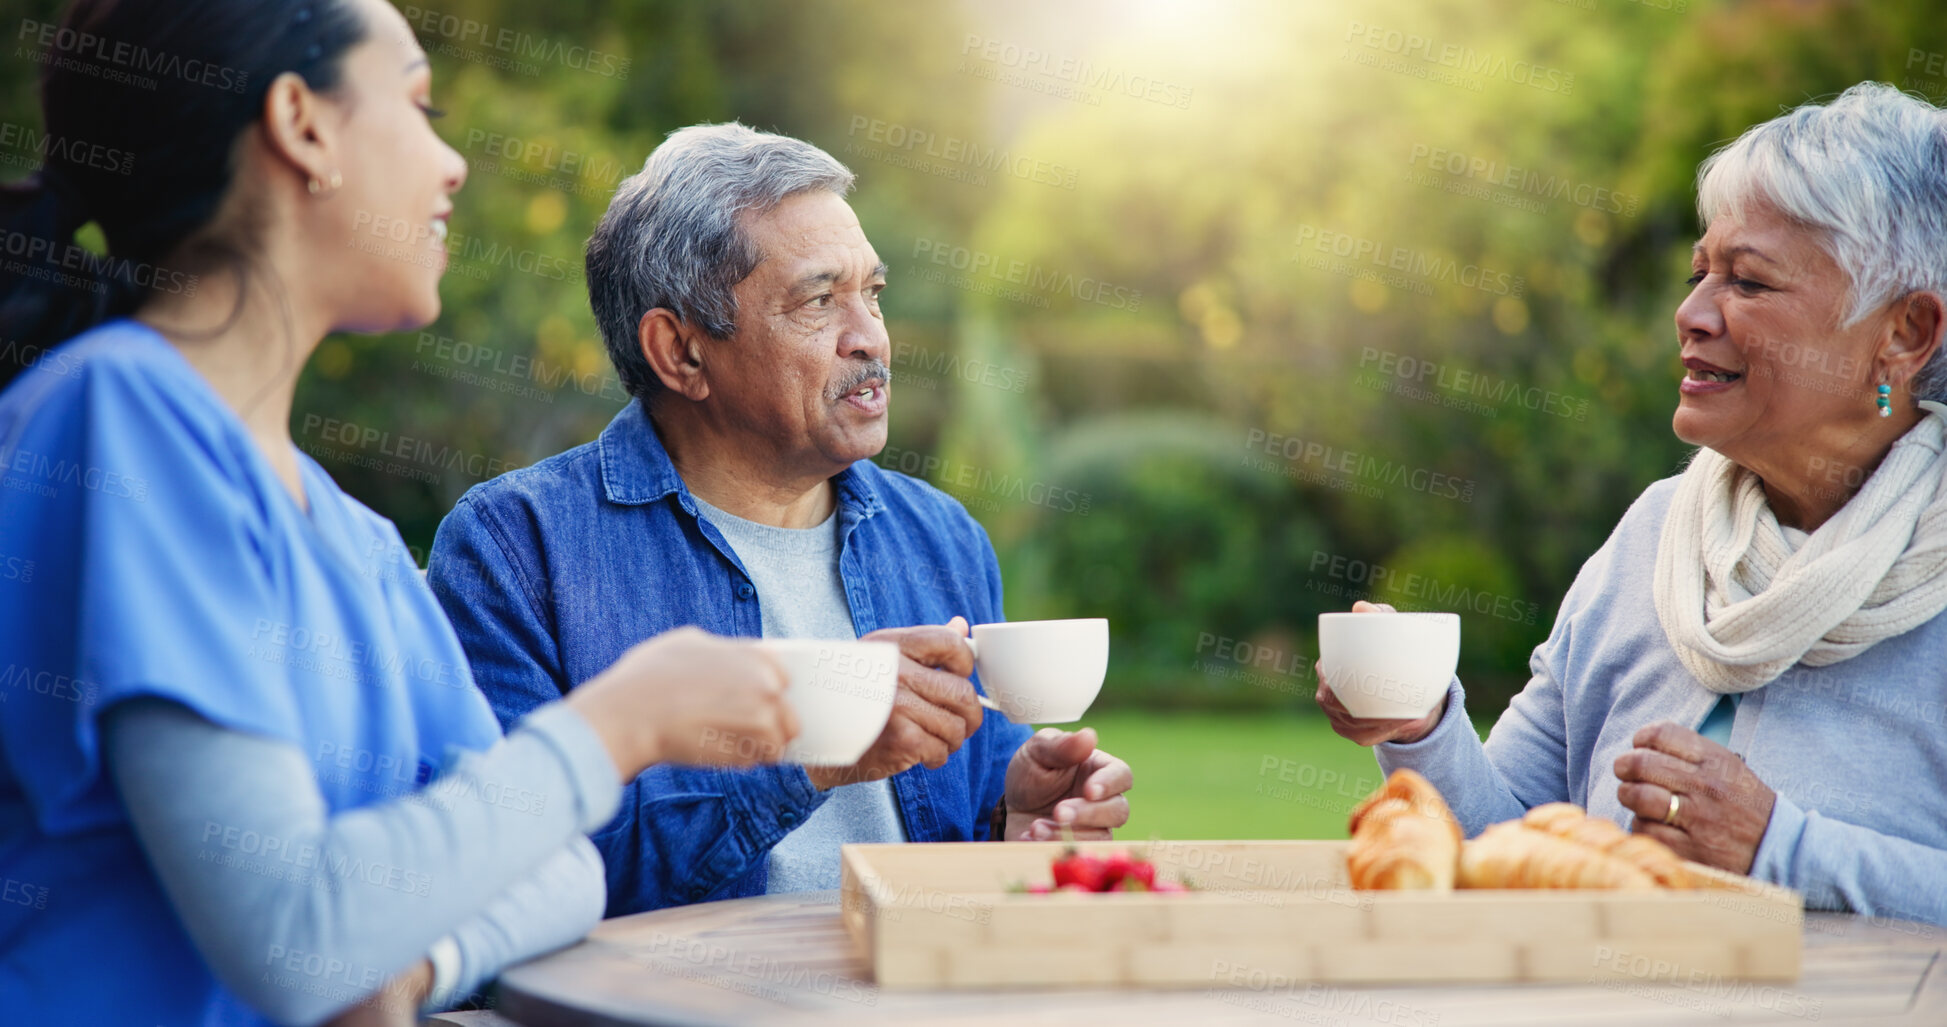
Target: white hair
673 235
1868 173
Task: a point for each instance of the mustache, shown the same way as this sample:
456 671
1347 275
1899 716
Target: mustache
864 373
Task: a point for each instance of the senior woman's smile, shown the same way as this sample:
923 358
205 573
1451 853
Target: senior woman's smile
1705 378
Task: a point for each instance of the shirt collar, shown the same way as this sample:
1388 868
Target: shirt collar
636 469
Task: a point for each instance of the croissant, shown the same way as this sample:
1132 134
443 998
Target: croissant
1512 855
1555 817
1403 837
1571 822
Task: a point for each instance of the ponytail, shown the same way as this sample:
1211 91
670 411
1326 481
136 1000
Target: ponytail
177 133
54 287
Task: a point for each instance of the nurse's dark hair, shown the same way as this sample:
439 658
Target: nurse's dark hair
142 104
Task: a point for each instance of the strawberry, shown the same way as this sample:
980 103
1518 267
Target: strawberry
1115 869
1075 872
1065 867
1075 868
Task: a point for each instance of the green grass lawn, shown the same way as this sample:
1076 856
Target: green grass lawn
1217 775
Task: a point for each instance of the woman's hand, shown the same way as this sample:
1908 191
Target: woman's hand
1722 807
687 696
1372 731
395 1005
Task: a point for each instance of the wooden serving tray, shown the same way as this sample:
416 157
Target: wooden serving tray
1270 913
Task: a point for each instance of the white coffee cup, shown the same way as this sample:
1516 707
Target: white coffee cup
1042 671
1389 665
842 692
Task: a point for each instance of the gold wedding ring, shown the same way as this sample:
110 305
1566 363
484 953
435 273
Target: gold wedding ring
1676 804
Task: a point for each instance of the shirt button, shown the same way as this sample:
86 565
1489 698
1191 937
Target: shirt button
788 818
744 591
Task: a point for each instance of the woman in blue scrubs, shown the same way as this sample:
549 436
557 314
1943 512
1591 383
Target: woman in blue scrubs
244 773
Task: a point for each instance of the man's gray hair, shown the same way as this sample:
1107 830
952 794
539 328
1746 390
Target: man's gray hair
1868 173
673 235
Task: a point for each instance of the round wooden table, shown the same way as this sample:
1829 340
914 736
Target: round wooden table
788 960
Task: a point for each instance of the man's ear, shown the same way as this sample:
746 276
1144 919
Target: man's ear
674 351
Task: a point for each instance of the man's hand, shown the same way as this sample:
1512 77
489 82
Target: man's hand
1059 780
1723 809
933 714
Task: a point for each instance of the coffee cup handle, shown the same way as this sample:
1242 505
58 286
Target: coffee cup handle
984 701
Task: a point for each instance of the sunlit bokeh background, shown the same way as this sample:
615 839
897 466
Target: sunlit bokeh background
1217 314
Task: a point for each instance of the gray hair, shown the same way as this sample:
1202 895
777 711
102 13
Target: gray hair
673 236
1867 172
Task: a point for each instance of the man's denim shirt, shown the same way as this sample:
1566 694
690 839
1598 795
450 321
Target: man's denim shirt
550 573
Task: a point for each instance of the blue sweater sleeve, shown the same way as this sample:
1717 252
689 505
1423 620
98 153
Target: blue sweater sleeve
1524 762
681 834
302 913
1842 866
1453 758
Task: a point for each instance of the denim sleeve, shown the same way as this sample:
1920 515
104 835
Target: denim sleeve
696 834
499 611
265 877
682 834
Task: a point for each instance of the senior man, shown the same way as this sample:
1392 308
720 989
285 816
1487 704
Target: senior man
739 300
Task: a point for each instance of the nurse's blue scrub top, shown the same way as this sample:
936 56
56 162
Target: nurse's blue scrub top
148 549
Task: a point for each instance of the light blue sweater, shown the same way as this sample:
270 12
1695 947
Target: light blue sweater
1856 751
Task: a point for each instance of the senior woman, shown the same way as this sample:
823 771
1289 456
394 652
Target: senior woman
1751 666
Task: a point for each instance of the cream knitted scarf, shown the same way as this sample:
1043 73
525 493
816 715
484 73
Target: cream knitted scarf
1741 607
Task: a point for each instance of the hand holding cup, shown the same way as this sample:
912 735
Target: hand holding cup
686 696
934 711
1388 670
842 692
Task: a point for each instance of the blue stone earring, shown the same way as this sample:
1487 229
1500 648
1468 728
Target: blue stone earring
1885 400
